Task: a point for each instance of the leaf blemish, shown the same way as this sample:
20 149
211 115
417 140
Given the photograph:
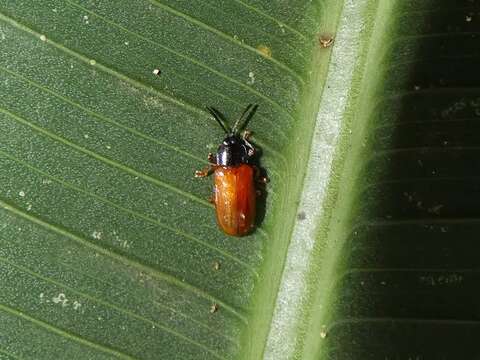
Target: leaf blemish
21 193
323 332
214 308
60 299
265 51
325 41
97 235
301 215
251 76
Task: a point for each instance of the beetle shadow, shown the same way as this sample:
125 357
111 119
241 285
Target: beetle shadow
261 187
261 203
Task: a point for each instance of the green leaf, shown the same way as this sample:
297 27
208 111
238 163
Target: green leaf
365 246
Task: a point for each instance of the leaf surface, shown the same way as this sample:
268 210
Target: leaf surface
108 244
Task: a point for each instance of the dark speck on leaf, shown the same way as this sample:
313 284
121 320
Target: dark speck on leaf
301 215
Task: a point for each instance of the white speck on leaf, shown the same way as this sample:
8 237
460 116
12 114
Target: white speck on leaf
92 62
86 136
43 38
251 76
76 305
97 235
21 193
29 207
60 299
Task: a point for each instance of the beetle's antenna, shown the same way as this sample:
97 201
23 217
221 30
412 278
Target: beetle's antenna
220 119
247 115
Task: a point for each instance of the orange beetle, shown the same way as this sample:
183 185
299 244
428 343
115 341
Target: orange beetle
234 176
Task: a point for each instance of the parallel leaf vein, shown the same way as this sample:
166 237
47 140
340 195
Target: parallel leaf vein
63 333
194 109
100 116
121 290
101 158
280 23
110 305
193 61
121 258
227 37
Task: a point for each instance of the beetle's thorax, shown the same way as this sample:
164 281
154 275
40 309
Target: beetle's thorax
234 151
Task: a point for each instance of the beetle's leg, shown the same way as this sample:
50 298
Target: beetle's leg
251 149
247 134
211 158
208 170
258 178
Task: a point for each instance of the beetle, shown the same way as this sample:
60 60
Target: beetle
235 175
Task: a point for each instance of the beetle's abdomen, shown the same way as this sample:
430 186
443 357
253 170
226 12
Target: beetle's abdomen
235 198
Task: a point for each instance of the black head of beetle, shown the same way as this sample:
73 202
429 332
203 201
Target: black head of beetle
234 149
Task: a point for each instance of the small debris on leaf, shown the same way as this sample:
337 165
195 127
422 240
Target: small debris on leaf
214 308
326 41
